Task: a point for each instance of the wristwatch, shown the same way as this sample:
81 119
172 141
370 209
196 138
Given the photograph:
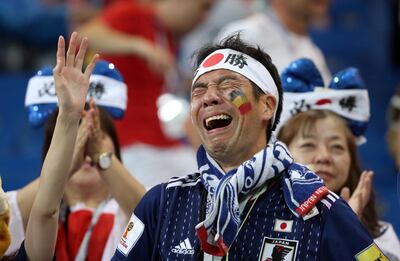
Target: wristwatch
104 161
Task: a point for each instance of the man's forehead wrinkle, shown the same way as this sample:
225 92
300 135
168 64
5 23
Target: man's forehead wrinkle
199 85
218 80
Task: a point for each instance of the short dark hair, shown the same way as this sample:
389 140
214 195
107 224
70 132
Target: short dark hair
106 125
235 43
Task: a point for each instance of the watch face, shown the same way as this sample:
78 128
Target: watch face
105 161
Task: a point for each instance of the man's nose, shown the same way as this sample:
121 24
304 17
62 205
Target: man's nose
212 97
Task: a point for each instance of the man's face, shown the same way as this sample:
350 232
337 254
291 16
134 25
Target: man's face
228 119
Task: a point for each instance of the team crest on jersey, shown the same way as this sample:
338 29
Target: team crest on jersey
131 235
278 249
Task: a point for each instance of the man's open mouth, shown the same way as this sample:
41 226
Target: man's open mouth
217 121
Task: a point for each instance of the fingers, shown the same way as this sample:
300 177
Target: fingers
86 127
370 175
96 115
60 55
364 186
81 53
95 139
362 193
367 175
97 132
345 194
83 135
92 117
77 61
71 50
71 83
92 104
93 107
84 132
71 59
367 184
90 67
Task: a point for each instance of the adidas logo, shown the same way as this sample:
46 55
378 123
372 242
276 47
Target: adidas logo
184 248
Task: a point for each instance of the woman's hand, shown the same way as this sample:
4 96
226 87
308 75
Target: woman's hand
81 144
70 83
71 87
96 139
361 194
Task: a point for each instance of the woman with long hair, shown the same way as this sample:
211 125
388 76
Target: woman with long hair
79 206
322 127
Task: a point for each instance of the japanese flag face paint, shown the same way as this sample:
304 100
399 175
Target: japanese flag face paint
243 64
240 100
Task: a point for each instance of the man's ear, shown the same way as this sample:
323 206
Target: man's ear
268 106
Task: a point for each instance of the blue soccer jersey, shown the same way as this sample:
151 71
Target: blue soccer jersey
162 227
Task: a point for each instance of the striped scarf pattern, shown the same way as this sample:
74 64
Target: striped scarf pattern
302 188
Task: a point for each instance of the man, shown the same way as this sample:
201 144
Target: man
282 31
141 40
249 200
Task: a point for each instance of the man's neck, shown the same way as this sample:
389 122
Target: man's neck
233 162
293 23
228 161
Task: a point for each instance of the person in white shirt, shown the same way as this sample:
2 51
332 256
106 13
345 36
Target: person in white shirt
282 31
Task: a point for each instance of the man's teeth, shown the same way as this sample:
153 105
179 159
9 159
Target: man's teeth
217 117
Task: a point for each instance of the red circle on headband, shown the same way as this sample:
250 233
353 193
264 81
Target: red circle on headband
213 60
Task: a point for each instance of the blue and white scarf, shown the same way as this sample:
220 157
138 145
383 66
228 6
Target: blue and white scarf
301 187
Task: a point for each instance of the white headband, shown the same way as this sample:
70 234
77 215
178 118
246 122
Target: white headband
241 63
104 90
351 104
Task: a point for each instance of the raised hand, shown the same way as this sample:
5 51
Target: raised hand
70 82
81 143
71 87
360 197
96 138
